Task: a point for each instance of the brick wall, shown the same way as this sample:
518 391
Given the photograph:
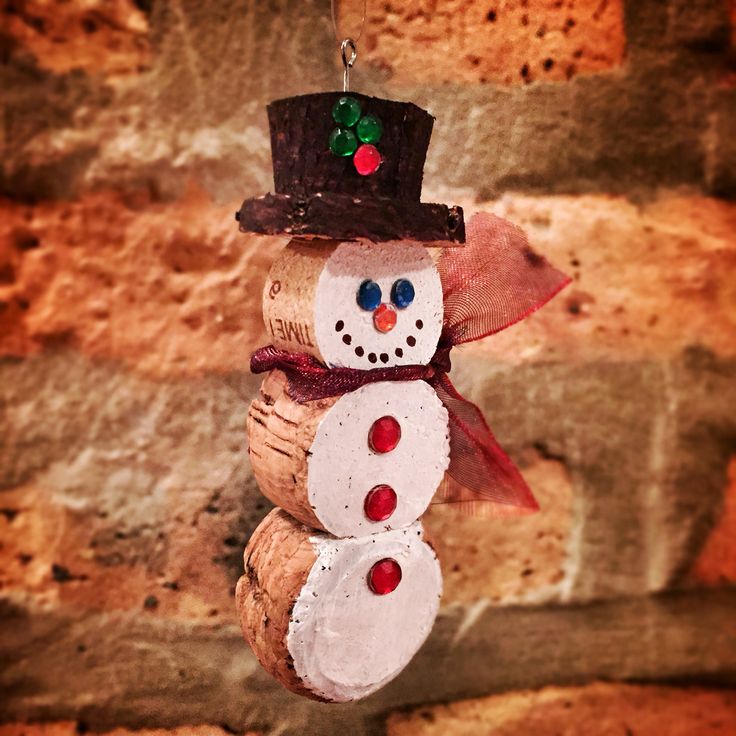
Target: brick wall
129 305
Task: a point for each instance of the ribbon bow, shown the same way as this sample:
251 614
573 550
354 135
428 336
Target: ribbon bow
492 282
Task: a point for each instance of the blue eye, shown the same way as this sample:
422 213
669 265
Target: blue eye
402 293
369 295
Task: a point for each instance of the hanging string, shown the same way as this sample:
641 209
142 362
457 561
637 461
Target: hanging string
339 36
348 43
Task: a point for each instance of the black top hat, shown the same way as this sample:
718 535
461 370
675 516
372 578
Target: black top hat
349 166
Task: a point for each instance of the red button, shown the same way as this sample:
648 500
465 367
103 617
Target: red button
367 159
384 576
380 503
384 435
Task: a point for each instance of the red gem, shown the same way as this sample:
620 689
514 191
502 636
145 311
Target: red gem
384 435
384 318
384 576
380 503
367 159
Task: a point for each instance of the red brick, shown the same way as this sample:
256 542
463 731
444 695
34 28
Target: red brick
509 41
176 289
508 559
109 36
593 710
717 561
168 288
69 728
51 552
58 728
648 280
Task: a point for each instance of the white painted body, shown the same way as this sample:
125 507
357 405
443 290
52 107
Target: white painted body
342 468
346 641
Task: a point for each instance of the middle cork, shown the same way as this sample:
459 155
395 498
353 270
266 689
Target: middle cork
362 463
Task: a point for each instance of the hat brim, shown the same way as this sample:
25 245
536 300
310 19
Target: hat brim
347 217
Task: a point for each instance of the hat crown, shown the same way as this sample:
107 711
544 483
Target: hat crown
304 164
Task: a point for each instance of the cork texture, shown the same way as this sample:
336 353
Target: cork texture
289 295
595 709
280 434
277 561
130 303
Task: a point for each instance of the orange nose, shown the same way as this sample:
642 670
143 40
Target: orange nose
384 318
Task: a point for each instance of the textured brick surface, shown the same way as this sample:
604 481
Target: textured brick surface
594 710
166 288
197 113
97 36
648 280
163 672
129 493
515 559
635 439
508 42
129 305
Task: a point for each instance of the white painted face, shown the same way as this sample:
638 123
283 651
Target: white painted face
398 280
347 641
343 468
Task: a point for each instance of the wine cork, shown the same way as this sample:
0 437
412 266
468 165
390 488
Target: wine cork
336 619
280 435
277 562
322 461
312 303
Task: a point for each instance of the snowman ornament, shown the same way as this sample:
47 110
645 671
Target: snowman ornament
357 427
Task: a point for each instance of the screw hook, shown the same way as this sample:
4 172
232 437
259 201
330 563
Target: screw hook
347 61
347 45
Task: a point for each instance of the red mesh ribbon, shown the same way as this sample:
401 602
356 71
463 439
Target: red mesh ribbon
495 280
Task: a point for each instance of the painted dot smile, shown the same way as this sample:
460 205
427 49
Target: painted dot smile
375 357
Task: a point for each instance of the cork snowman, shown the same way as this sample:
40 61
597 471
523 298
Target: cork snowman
340 587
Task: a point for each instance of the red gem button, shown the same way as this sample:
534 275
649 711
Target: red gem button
367 159
384 435
380 503
384 576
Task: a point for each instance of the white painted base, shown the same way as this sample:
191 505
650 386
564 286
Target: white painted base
346 641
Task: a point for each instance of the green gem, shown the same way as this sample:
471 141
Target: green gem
343 142
369 129
346 111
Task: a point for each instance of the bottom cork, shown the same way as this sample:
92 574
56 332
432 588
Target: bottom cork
314 620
